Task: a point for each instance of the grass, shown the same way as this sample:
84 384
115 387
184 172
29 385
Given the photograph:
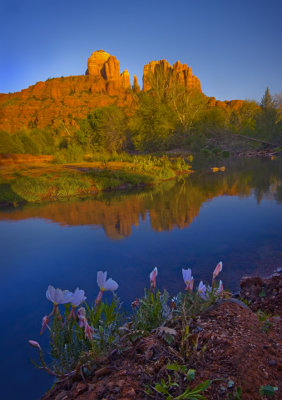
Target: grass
49 182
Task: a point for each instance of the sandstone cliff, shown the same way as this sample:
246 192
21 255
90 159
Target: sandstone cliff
104 68
178 73
58 102
136 86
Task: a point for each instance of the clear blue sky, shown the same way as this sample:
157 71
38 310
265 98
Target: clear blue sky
234 47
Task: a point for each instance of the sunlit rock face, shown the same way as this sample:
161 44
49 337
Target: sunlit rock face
103 65
60 102
178 73
136 86
96 62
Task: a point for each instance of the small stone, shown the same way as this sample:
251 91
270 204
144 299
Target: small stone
102 371
222 389
61 396
272 363
230 384
130 393
198 329
80 388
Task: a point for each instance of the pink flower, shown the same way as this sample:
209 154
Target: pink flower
217 270
45 322
188 279
153 276
104 285
135 303
83 323
35 344
220 288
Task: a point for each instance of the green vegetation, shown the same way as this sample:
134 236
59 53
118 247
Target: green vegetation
181 372
265 320
59 182
164 118
81 335
268 390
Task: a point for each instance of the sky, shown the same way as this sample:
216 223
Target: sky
233 47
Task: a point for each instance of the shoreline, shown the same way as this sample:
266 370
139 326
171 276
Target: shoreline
39 182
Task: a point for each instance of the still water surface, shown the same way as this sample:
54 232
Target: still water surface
234 216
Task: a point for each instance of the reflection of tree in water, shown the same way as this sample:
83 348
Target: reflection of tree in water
172 204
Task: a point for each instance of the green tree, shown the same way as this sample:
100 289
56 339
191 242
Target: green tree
10 144
152 124
266 122
267 101
106 128
243 121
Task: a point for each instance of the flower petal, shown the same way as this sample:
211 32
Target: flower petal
50 293
101 278
154 274
110 284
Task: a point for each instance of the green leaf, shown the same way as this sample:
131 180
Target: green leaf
160 389
267 390
201 387
191 375
173 367
262 293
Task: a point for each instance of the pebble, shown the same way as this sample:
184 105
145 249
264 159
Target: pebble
272 363
61 396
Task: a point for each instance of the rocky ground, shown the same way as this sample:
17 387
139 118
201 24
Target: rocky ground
236 344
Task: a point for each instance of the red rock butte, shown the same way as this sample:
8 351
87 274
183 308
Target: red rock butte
105 68
59 102
178 73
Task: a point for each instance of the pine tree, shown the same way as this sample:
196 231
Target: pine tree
267 101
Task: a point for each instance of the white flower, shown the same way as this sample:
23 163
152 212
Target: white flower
58 296
188 279
203 290
105 284
77 297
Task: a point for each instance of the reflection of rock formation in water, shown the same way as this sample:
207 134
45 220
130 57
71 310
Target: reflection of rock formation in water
172 204
115 216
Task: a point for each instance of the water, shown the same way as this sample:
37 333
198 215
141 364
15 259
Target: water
234 216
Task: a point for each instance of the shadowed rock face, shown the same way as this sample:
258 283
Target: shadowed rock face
178 73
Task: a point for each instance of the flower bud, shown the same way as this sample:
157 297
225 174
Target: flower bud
35 344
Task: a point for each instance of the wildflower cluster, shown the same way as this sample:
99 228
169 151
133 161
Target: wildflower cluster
81 334
78 331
